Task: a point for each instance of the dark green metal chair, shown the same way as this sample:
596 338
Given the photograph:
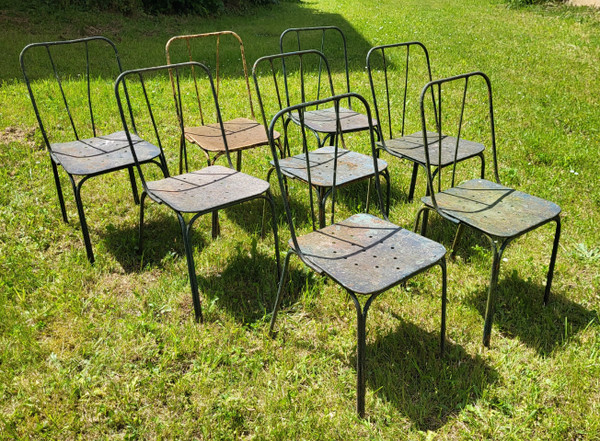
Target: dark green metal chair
331 42
499 213
269 73
191 194
364 254
389 67
65 75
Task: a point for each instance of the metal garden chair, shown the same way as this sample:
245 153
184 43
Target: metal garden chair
500 213
242 132
389 82
351 166
65 75
331 41
194 193
364 254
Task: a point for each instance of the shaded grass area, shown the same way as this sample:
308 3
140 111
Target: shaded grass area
111 350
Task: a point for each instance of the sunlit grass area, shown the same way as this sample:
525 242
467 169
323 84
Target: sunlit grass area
111 350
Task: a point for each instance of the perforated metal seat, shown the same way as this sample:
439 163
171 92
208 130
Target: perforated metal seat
366 254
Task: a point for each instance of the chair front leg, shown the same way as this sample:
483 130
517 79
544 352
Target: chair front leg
491 300
552 260
186 233
141 227
280 289
361 348
134 189
61 199
444 302
413 182
82 220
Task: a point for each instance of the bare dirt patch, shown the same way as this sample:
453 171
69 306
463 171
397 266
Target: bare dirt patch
595 3
18 134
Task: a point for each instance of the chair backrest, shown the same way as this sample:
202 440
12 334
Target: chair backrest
154 111
389 67
223 51
283 80
456 103
75 76
329 40
301 135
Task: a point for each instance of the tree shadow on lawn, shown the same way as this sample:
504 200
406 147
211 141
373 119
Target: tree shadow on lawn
520 312
405 368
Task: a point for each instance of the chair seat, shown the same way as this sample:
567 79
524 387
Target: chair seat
367 255
242 133
208 189
411 147
493 208
324 120
101 154
351 166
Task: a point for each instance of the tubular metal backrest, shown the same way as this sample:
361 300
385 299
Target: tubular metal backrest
435 181
281 118
223 59
80 53
320 38
274 67
138 80
380 63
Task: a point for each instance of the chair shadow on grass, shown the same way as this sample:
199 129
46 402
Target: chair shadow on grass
405 368
162 237
520 313
247 286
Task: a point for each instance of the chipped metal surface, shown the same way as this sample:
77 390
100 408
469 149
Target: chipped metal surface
493 208
411 147
351 166
366 254
101 154
208 189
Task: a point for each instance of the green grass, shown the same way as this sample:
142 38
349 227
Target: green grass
111 351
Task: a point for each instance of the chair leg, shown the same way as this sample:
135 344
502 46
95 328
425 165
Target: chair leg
82 221
238 164
457 237
141 227
552 261
361 347
444 302
269 198
134 189
425 212
216 228
489 308
482 158
413 182
322 200
280 288
185 231
61 199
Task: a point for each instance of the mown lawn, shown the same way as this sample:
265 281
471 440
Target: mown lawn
112 350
